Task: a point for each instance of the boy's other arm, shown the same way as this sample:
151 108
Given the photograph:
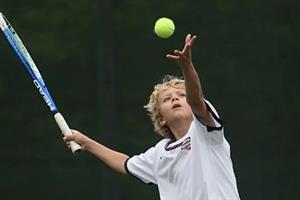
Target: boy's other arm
111 158
194 95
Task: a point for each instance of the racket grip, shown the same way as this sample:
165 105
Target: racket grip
61 122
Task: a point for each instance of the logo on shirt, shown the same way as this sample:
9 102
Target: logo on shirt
186 144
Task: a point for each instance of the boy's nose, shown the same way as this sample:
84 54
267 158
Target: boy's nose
175 98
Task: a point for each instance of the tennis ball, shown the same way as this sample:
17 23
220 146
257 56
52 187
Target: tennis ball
164 27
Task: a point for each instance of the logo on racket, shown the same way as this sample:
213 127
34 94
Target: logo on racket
44 94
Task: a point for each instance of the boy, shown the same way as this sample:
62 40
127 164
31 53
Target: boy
193 161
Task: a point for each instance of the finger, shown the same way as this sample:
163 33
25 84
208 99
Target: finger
67 143
68 137
178 53
193 40
188 51
172 57
187 38
188 48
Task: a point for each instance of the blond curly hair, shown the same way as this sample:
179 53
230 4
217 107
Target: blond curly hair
153 105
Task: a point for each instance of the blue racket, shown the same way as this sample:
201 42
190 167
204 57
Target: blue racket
19 48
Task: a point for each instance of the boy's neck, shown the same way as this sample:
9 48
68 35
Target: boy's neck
180 128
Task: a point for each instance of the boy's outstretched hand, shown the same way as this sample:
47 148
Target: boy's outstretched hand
184 57
78 137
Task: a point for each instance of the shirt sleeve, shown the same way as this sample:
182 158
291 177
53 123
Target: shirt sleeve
217 120
216 133
142 166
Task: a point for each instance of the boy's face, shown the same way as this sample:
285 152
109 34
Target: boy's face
173 106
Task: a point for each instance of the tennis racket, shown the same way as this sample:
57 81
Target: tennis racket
19 48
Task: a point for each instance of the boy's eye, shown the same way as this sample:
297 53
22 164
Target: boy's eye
182 95
166 99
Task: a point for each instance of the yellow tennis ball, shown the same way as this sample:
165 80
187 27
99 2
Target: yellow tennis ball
164 27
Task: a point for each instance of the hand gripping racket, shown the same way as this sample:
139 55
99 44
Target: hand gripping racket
19 48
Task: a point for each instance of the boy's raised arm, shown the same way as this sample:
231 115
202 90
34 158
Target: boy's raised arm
193 88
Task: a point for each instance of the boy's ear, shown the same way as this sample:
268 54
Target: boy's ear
162 122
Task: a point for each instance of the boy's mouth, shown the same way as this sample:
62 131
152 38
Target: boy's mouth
176 105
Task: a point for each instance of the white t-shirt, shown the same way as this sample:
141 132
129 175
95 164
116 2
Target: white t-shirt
195 167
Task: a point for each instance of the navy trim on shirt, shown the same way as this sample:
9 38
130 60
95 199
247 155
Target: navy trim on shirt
126 168
167 148
211 128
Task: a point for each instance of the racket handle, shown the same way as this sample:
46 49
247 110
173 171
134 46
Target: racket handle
76 148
